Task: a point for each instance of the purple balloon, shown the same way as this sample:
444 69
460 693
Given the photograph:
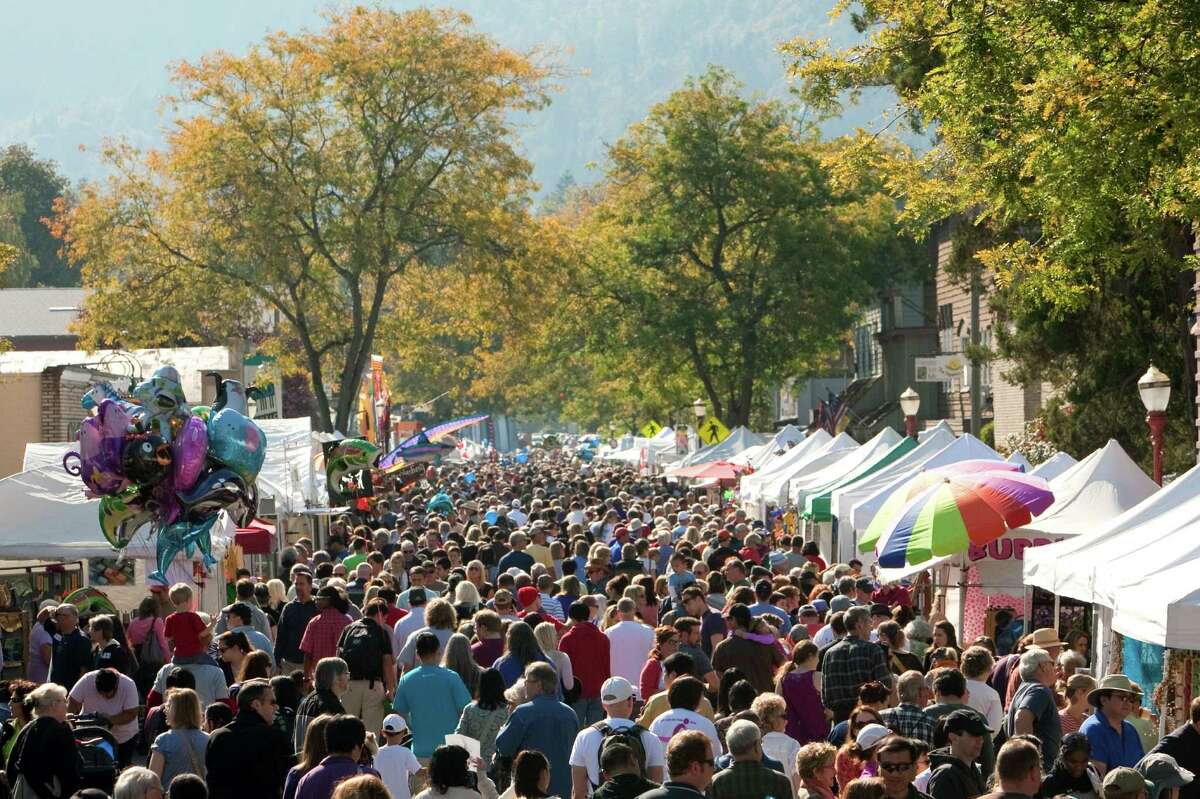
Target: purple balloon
189 448
100 440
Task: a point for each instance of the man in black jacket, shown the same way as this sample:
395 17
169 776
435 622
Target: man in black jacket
1183 744
249 757
955 775
294 617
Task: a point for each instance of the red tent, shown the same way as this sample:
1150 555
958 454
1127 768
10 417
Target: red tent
713 470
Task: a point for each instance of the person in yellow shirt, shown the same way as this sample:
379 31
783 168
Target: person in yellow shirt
538 549
678 665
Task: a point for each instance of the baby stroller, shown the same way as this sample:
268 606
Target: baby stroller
97 752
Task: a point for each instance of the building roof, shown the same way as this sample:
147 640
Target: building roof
39 312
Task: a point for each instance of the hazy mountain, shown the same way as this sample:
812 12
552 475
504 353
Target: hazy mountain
72 78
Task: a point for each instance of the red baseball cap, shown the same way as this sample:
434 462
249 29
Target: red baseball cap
527 596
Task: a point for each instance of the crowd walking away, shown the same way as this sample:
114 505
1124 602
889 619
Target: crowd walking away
555 628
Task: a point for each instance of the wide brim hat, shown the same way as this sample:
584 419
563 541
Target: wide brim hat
1110 682
1045 638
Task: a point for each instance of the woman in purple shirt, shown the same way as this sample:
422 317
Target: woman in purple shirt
799 683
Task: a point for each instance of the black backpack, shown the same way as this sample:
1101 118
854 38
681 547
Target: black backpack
359 646
630 736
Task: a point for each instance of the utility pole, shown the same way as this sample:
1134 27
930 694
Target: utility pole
976 392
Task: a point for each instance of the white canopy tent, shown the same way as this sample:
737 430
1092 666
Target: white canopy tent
48 518
739 440
661 444
773 487
813 480
1058 463
965 447
843 500
1143 564
1102 486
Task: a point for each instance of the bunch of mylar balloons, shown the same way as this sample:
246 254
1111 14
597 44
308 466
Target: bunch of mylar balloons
153 459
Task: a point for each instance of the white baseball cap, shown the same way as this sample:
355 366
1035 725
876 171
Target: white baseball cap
615 689
394 723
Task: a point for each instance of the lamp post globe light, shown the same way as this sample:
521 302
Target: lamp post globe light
1155 390
698 409
910 403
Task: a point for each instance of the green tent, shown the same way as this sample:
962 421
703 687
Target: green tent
817 504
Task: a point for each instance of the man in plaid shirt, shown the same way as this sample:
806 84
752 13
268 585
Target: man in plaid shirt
908 718
323 630
852 662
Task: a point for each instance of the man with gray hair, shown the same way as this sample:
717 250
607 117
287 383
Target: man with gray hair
71 652
852 662
136 782
1032 711
542 723
908 718
331 679
748 777
517 557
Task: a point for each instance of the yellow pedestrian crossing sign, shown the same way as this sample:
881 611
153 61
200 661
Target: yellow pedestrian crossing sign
712 431
650 429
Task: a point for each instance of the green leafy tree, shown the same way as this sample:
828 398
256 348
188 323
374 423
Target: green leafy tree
1067 135
731 247
36 189
316 169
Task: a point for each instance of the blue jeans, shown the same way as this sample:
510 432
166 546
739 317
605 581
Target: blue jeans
589 711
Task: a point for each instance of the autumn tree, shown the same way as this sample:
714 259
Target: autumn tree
1067 135
725 246
301 180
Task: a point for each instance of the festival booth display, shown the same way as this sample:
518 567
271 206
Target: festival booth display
1140 569
989 577
964 448
842 501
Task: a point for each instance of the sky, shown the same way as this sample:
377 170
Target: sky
100 71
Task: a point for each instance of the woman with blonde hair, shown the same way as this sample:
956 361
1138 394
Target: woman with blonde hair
45 755
364 786
547 638
277 595
181 749
457 657
476 574
311 755
815 771
466 595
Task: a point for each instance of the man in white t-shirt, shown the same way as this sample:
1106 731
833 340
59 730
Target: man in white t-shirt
684 695
396 764
577 514
108 693
630 643
516 516
617 698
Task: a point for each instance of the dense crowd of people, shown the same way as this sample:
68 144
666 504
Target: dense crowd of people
557 629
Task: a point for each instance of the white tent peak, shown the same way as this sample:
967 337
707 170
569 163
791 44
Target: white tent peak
1020 460
1058 463
1102 486
738 440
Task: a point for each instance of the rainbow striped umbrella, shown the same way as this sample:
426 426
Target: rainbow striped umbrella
944 511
